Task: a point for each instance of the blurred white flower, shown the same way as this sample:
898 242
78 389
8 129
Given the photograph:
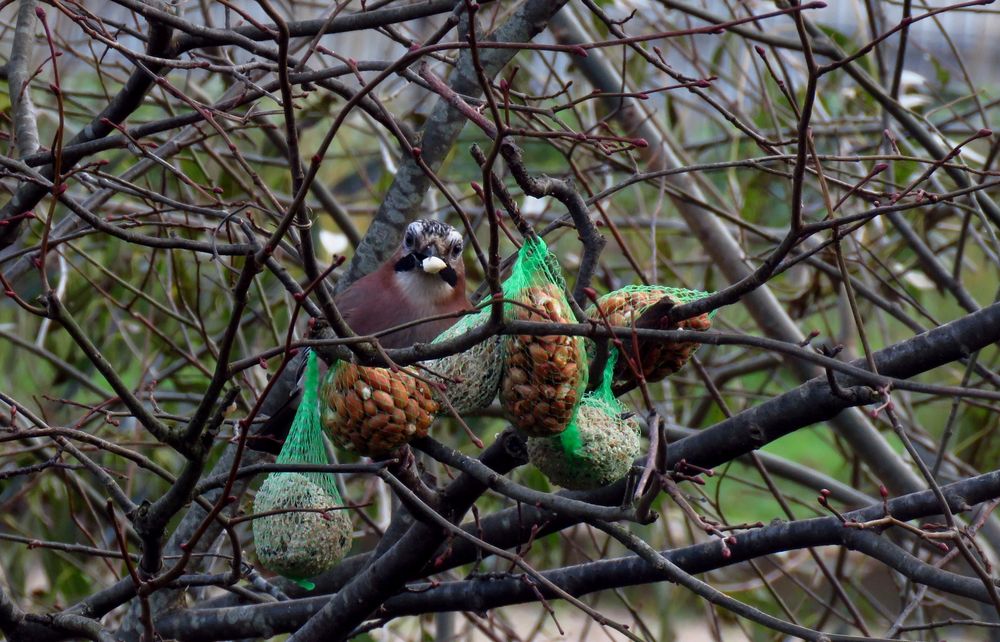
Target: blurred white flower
333 242
915 278
532 206
911 81
913 90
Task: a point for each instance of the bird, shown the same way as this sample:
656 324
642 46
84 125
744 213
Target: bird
425 277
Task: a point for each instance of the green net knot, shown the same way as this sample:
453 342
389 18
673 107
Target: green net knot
534 263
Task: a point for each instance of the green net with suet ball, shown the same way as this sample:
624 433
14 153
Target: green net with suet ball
598 447
471 378
309 531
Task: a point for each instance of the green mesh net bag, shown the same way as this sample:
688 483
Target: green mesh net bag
597 448
374 411
471 378
304 542
544 376
658 359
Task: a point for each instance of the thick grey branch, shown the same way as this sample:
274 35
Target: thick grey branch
25 119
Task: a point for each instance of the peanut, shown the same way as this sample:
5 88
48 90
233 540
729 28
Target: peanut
518 375
538 353
352 406
383 400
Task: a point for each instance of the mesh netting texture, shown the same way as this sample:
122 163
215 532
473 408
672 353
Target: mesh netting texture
658 359
597 448
299 544
472 378
374 411
304 542
544 376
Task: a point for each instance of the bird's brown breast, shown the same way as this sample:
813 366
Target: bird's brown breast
378 301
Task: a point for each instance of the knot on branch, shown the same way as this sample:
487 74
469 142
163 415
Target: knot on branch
514 445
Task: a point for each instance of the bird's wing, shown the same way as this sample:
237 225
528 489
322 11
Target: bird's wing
373 304
282 401
278 407
357 303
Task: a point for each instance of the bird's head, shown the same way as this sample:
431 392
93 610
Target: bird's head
431 250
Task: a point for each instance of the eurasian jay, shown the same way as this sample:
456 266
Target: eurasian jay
424 278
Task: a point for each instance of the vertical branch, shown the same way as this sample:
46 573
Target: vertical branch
904 34
493 259
299 211
25 118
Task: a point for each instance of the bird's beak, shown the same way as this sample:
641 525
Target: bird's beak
429 263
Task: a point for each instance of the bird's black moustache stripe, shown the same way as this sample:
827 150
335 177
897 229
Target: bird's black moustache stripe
408 262
449 275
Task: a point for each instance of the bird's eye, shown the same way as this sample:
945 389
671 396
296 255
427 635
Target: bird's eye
408 240
456 249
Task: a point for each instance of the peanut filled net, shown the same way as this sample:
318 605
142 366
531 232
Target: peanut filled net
544 376
374 411
623 307
308 532
598 447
